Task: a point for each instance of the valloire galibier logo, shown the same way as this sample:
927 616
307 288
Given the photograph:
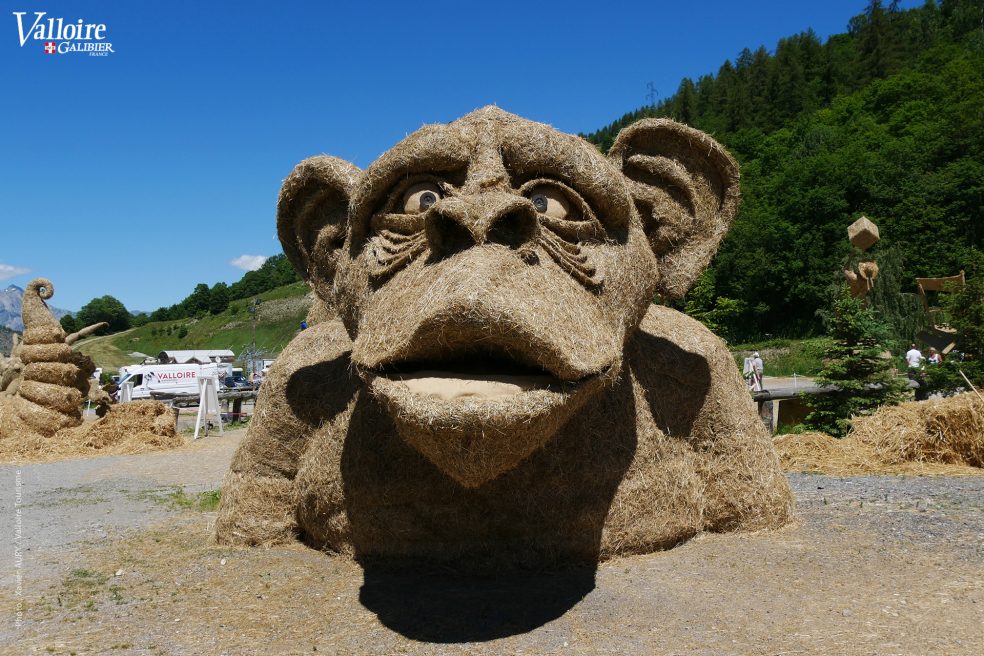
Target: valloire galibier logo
61 37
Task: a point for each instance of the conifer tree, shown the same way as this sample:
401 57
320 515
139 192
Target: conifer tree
860 377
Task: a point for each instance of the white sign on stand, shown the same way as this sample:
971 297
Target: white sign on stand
126 392
208 402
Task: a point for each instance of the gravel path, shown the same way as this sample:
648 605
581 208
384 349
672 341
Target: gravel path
874 565
934 513
78 502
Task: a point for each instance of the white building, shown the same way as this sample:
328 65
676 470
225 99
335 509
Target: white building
200 356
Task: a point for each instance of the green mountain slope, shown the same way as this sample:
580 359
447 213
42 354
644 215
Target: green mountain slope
885 120
278 318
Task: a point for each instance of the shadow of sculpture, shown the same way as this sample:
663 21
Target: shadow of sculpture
317 393
447 608
675 382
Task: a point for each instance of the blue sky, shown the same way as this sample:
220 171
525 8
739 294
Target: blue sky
144 172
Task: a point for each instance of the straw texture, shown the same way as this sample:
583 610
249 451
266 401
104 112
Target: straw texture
944 436
43 384
135 427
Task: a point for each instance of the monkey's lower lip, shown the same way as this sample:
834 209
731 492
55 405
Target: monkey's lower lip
447 389
449 385
475 427
473 375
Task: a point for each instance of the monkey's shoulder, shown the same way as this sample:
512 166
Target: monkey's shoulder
317 357
671 348
667 333
688 378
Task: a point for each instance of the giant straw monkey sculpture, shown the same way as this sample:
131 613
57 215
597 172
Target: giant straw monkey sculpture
499 388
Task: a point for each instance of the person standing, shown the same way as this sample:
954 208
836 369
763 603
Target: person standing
934 356
752 371
913 358
913 361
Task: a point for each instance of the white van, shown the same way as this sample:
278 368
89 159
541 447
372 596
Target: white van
166 378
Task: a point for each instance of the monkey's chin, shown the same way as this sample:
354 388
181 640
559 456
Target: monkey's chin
475 428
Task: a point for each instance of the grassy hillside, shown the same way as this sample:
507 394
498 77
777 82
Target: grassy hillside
104 353
280 312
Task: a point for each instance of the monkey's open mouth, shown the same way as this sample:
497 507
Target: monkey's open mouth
471 376
476 414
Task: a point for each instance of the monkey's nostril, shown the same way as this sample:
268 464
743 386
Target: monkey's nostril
446 235
513 229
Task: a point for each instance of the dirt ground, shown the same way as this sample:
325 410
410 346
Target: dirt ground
111 555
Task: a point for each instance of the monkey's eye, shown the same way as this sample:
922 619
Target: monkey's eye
551 201
419 198
563 210
555 200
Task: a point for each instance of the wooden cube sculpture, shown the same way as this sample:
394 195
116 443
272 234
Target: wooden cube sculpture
863 233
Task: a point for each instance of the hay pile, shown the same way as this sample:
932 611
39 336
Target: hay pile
818 452
136 427
948 431
923 437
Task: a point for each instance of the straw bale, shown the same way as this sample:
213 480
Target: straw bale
947 431
498 389
320 312
54 373
265 506
65 400
30 417
44 334
924 437
135 427
45 353
868 271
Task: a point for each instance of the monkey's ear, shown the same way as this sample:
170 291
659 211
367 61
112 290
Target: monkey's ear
685 187
312 216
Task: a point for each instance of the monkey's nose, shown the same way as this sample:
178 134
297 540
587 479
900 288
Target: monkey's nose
455 224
